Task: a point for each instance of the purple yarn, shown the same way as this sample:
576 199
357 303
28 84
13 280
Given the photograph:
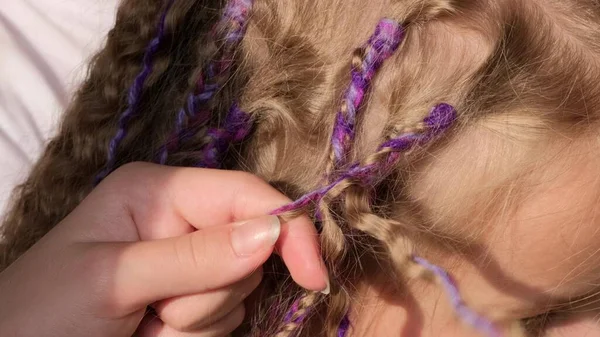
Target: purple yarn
238 125
134 95
344 326
467 315
440 118
371 174
342 329
292 311
234 22
381 45
289 316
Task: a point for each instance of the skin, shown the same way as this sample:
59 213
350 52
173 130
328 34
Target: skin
160 236
546 254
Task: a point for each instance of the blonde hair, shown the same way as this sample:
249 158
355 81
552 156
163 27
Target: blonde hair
519 73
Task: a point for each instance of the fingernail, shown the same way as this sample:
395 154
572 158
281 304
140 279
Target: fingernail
327 290
253 236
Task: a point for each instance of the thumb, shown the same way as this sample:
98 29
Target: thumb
202 261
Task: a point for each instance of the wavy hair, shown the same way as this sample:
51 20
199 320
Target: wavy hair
335 110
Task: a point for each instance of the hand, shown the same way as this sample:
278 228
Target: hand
189 242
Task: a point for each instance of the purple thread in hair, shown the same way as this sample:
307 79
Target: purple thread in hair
439 119
238 125
134 95
290 314
381 45
344 326
233 22
467 315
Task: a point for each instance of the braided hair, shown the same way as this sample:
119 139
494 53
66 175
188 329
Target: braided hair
237 126
268 87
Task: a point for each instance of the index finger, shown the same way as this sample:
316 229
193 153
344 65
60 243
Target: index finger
205 198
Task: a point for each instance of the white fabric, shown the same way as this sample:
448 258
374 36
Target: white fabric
44 48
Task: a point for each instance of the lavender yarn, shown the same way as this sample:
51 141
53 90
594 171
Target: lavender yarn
467 315
381 45
233 22
134 96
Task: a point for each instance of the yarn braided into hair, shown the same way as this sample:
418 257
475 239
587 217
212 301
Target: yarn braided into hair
237 125
197 112
365 63
134 96
370 173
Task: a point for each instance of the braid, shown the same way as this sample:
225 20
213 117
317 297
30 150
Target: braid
134 96
365 63
297 314
196 113
237 127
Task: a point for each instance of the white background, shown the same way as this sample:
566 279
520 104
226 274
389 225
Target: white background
44 48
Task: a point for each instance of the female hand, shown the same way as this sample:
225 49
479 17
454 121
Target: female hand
160 236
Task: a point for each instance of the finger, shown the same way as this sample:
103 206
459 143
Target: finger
152 326
199 262
245 197
204 198
189 313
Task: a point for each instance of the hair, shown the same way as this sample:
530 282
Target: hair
368 126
